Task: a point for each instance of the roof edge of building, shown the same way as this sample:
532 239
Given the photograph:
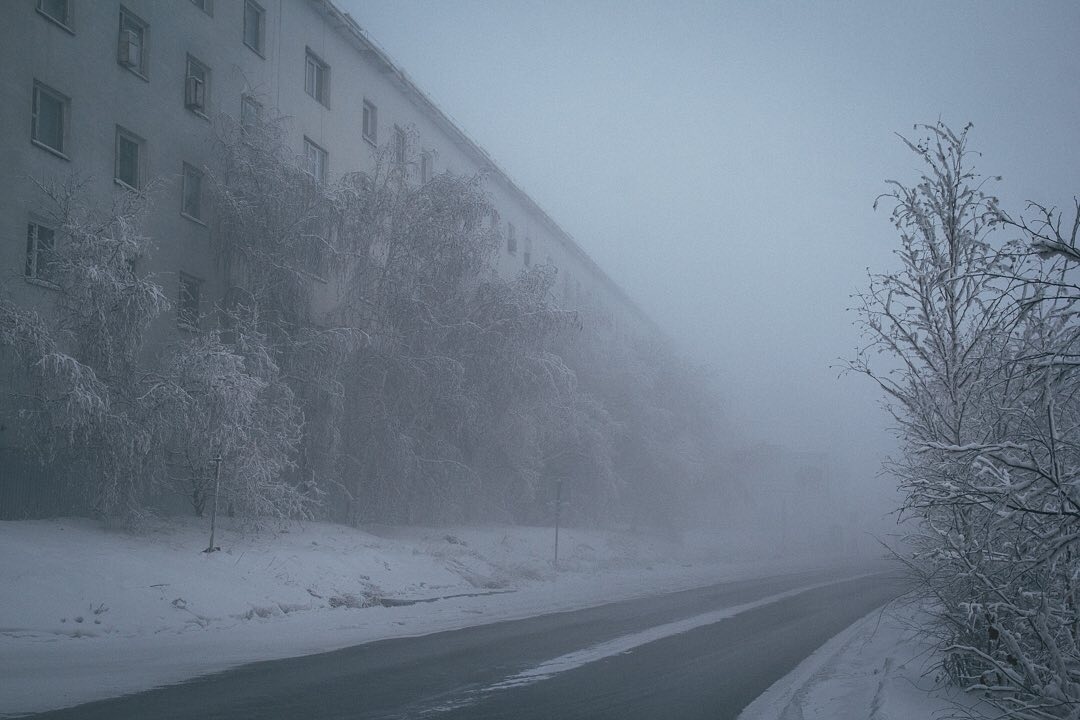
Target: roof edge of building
346 23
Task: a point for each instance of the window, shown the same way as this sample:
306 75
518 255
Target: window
425 166
371 122
40 252
254 18
131 51
59 11
187 309
316 159
129 158
191 196
317 79
511 239
196 86
49 118
527 256
207 6
400 144
250 112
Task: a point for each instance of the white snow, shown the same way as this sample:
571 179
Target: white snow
87 614
880 668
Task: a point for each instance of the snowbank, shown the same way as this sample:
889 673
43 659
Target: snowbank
880 668
86 613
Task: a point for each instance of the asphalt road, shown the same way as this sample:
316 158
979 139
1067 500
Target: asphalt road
710 671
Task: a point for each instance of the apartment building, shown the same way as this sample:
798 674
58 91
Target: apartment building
125 93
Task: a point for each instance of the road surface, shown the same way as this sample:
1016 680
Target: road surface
703 653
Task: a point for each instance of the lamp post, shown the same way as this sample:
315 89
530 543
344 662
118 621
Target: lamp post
558 510
213 512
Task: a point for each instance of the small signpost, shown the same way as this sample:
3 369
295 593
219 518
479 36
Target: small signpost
213 512
558 512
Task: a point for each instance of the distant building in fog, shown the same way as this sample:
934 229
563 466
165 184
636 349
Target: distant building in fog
125 93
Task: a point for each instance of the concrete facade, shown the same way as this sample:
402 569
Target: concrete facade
76 57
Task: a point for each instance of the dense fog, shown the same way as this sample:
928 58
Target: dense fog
618 358
721 162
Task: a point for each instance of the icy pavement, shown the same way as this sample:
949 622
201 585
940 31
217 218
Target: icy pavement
880 668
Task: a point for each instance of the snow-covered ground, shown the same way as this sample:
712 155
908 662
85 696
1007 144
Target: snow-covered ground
880 668
86 613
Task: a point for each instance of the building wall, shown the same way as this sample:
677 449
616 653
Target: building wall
81 62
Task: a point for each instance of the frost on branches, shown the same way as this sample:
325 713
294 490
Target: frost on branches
122 424
363 361
228 401
79 392
977 344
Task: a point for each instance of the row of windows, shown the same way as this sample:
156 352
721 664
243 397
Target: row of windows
132 54
50 129
134 36
51 109
49 122
135 32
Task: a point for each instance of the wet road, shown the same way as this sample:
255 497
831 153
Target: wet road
704 653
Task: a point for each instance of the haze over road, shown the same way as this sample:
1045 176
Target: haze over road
703 653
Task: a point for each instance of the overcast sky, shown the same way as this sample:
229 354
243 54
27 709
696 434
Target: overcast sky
720 160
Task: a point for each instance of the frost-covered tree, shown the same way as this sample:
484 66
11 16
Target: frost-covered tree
433 389
80 396
981 387
452 348
275 223
227 405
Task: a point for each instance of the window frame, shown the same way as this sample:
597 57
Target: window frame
427 167
190 171
369 122
322 154
511 239
184 319
32 269
526 255
401 146
260 13
320 78
65 115
194 63
66 23
143 68
248 100
140 160
207 6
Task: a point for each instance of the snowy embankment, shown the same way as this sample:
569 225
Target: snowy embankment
87 614
880 668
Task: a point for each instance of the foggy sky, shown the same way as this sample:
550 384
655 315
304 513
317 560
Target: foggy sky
720 161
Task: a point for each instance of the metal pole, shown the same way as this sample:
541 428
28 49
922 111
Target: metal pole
558 508
213 512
